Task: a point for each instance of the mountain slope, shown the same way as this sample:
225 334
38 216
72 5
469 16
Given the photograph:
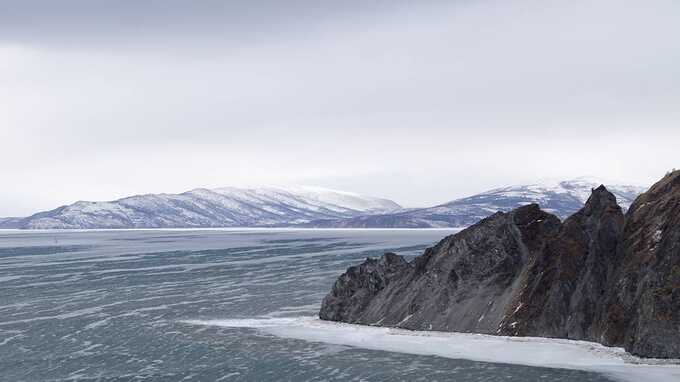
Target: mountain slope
7 223
559 198
222 207
309 207
597 276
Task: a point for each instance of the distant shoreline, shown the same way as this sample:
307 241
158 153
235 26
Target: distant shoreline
455 229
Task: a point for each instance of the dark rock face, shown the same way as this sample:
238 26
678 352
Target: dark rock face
644 308
464 283
598 276
359 285
567 280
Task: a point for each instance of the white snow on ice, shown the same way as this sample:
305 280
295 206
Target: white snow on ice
528 351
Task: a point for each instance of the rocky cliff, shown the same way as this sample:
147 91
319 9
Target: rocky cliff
598 276
644 305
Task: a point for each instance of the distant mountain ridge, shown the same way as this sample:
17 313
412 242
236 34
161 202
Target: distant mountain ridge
10 222
310 207
561 198
221 207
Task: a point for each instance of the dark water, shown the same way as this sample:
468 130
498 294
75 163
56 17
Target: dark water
109 306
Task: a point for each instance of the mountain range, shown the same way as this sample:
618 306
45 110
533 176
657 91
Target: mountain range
561 198
221 207
309 207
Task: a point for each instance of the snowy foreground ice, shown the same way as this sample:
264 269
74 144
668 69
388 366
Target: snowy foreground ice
538 352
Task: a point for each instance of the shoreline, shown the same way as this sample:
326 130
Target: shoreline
526 351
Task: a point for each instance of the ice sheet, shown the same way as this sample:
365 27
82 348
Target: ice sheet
529 351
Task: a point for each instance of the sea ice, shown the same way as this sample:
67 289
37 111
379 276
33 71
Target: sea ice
529 351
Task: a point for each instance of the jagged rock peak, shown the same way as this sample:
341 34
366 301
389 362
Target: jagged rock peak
600 200
669 183
391 259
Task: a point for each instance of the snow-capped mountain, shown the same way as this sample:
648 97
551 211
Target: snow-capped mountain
311 207
6 223
561 198
222 207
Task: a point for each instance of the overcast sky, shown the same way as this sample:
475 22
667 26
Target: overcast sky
421 102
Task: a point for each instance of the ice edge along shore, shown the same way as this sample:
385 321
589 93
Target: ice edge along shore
526 351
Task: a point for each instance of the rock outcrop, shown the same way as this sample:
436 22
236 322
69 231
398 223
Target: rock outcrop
644 307
598 276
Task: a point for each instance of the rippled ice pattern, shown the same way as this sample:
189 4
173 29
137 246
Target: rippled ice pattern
108 306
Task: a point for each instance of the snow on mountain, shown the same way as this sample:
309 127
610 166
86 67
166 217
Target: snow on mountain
222 207
312 207
8 223
342 198
561 198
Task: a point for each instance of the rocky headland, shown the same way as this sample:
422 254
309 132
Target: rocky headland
600 275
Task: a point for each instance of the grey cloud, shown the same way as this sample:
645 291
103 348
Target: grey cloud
418 101
74 23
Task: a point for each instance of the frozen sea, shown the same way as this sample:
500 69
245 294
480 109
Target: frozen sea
221 305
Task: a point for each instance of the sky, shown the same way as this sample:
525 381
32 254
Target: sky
421 102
